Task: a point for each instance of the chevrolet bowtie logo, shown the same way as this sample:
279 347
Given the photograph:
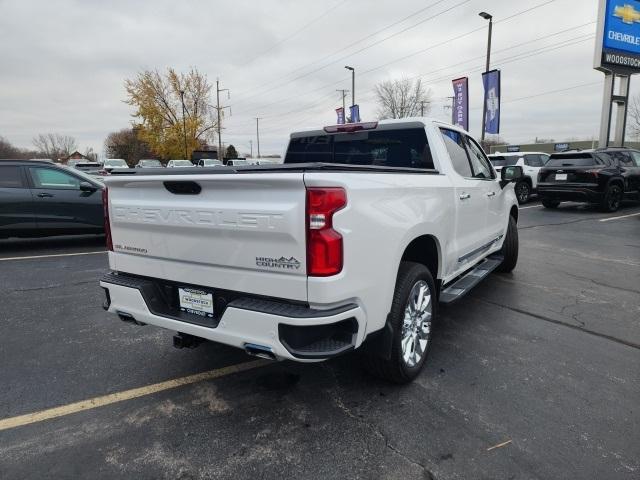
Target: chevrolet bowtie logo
627 13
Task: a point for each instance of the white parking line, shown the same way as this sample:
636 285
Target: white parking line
50 256
621 216
532 206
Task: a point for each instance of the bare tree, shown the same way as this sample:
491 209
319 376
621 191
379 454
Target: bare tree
7 150
402 98
633 117
126 144
54 145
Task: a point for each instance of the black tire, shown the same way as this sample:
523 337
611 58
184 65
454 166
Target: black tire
550 203
523 192
509 248
612 198
395 369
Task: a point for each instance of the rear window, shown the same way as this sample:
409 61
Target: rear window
10 177
502 161
573 160
388 148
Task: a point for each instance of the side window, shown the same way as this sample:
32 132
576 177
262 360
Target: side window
479 162
11 177
455 146
533 160
53 178
544 159
625 160
636 158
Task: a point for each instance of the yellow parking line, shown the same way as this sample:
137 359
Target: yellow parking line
54 255
42 415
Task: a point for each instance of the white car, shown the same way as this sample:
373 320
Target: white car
179 163
350 244
531 163
209 162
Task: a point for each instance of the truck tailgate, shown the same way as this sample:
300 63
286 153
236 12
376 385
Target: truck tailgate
243 232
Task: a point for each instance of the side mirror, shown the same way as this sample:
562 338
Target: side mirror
512 173
88 187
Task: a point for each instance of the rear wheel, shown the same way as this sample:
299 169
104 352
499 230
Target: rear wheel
550 203
509 248
412 314
523 190
612 198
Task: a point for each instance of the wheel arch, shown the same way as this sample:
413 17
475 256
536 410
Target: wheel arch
426 250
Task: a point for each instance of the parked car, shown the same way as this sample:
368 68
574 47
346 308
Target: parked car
209 162
234 162
604 177
90 168
40 199
112 163
149 163
179 163
531 163
349 244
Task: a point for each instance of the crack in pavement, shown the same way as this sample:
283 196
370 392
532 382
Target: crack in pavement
560 322
374 428
601 284
46 287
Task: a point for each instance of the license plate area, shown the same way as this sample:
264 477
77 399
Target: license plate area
196 302
561 176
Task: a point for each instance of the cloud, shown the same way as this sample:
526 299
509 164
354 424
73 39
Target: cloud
64 62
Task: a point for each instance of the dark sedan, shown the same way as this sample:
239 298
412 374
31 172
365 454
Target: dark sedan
40 199
604 177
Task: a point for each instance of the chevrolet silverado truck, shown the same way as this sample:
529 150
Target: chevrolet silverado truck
351 243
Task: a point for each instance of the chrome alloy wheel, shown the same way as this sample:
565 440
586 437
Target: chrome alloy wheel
416 325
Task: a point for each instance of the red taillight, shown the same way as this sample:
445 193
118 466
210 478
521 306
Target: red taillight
324 244
107 224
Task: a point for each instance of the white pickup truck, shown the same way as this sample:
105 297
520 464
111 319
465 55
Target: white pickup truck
351 243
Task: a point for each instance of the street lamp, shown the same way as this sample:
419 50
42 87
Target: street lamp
489 17
353 85
184 125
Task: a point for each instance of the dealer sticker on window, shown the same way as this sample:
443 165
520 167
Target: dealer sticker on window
196 302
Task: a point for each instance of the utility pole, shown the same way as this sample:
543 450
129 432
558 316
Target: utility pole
184 125
344 95
489 17
258 134
220 109
251 147
422 102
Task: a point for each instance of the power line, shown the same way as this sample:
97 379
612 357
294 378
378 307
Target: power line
500 62
522 12
289 37
417 12
333 62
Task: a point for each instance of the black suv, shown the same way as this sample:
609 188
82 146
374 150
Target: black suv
604 176
38 198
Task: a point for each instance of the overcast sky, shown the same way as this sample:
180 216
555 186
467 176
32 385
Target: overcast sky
63 62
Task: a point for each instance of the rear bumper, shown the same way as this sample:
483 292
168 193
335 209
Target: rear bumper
290 331
569 193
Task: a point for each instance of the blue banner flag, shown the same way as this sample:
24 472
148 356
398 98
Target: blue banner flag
340 113
491 82
355 113
461 102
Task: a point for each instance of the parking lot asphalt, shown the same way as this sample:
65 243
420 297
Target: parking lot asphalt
535 374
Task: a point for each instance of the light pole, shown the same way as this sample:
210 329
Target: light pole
219 110
184 125
353 85
489 17
258 134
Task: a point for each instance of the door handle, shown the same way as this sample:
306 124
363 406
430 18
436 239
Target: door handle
491 194
45 195
464 196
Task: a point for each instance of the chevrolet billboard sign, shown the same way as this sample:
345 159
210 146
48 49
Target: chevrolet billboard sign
618 37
